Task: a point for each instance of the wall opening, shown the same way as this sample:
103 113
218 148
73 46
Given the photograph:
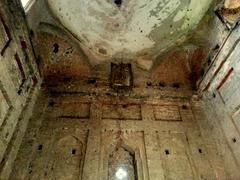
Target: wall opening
118 2
122 165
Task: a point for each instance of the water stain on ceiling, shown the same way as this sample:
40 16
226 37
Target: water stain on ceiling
130 28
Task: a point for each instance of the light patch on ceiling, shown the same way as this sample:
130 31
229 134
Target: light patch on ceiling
24 2
135 27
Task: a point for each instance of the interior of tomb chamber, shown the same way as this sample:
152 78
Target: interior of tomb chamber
119 89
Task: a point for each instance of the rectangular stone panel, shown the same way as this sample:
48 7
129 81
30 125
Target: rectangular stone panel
57 152
121 112
74 110
175 156
166 113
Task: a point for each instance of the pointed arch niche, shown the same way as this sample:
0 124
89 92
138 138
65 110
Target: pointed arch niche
123 158
122 164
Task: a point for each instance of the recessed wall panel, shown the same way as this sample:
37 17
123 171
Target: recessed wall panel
121 112
74 110
166 113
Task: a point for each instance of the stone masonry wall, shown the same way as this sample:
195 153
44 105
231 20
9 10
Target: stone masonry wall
19 81
220 90
76 136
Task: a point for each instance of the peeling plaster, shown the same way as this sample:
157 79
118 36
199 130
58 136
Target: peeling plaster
136 26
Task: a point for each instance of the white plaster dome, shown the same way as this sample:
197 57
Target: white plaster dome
132 28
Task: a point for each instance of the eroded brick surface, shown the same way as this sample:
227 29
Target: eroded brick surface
60 118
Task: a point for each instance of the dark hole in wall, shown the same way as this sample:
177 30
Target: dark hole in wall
39 61
19 92
3 161
27 89
67 79
92 81
73 151
51 103
184 107
167 152
55 48
6 135
216 47
34 80
31 33
202 72
234 140
176 85
214 95
40 147
149 83
124 106
118 2
108 94
200 151
93 94
23 43
162 84
209 61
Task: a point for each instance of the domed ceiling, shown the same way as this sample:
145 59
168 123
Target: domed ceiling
128 28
